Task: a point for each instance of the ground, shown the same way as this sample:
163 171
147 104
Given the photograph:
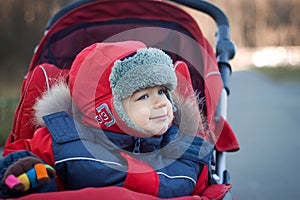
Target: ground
265 117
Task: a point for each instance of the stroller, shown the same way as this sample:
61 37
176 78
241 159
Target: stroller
161 24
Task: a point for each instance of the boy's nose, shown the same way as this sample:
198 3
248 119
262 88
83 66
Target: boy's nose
159 102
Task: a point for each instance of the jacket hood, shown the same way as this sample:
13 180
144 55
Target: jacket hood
90 87
89 93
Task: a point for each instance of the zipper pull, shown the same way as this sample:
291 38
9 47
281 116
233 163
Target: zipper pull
137 146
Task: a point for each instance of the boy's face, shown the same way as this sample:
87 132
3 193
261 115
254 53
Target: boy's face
150 109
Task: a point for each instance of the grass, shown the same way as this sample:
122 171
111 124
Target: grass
7 109
281 74
10 86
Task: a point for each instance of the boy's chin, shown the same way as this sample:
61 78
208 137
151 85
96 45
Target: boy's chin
160 132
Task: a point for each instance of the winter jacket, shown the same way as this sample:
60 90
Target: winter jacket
166 166
85 155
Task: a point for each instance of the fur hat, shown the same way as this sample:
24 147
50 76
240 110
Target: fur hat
148 67
105 73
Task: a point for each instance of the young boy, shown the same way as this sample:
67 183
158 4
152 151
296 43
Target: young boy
111 125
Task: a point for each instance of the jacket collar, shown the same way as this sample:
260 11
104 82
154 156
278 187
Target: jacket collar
141 145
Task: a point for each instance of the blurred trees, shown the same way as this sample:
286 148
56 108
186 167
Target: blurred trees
22 24
263 23
253 23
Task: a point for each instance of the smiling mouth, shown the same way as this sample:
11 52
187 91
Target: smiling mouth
161 117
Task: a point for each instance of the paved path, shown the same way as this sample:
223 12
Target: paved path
266 118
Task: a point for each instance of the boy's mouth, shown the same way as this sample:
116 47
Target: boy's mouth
160 117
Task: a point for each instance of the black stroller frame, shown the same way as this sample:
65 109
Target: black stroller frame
225 51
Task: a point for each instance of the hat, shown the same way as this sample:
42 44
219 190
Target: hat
105 73
148 67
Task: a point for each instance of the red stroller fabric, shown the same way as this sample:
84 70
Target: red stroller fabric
116 193
144 9
207 80
32 88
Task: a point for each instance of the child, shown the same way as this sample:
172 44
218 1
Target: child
111 125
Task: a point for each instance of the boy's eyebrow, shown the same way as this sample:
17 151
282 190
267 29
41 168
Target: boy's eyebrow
135 92
138 91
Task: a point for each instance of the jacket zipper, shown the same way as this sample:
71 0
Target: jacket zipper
137 146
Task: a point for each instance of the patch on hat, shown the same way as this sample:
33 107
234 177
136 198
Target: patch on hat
104 115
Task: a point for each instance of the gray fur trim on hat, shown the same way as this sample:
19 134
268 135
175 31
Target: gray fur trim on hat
147 68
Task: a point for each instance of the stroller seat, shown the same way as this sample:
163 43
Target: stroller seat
160 24
41 79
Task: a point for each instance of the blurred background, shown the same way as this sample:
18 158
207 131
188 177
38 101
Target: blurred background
263 107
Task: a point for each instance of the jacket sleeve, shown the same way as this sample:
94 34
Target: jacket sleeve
187 155
10 159
40 145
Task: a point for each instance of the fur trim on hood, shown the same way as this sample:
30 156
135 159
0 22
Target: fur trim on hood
187 117
57 99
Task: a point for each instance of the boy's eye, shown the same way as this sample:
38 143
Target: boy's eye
143 97
162 91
